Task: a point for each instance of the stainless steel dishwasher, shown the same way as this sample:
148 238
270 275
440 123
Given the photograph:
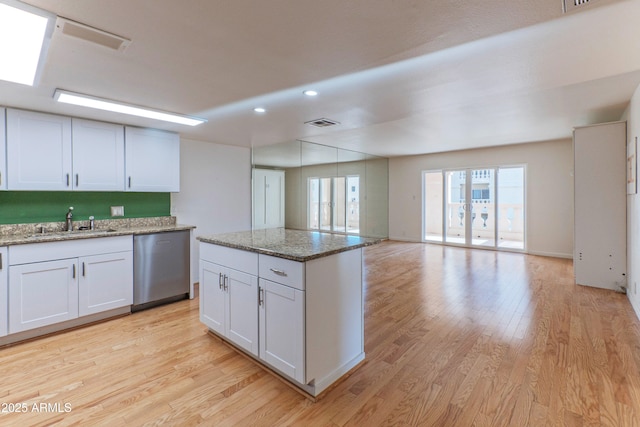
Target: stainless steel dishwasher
160 268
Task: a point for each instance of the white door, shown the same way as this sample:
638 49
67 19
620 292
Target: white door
42 294
98 156
152 160
212 297
4 267
38 151
3 151
105 282
268 198
242 310
282 328
600 199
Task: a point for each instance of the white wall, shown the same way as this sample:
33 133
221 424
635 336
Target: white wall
215 190
549 197
633 212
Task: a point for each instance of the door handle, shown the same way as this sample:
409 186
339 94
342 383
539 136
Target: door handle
129 182
74 271
67 180
261 296
77 179
226 283
220 285
83 269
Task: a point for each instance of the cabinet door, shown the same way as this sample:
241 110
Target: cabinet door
4 292
212 297
152 160
98 156
242 310
282 328
42 293
38 151
105 282
3 150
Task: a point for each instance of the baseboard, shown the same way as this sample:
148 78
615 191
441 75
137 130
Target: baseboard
551 254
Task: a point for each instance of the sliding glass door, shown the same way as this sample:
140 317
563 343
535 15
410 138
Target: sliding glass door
334 204
475 207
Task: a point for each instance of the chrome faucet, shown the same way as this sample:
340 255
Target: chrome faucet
70 219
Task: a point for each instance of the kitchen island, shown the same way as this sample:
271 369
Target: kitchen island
292 300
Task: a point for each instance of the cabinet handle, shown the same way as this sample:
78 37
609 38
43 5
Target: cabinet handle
129 182
220 285
279 272
226 283
83 269
74 271
0 261
67 180
77 180
260 296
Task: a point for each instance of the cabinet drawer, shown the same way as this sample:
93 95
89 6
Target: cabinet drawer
47 251
236 259
280 270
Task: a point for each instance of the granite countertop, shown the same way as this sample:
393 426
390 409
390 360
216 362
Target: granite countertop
21 234
294 245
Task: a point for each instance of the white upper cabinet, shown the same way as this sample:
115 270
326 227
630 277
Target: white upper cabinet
38 151
3 151
152 160
98 156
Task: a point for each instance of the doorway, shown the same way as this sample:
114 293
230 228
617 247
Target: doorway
475 207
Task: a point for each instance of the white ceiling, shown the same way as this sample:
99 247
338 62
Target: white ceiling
401 76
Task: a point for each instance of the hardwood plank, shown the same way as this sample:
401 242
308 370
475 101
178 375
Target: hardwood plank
452 336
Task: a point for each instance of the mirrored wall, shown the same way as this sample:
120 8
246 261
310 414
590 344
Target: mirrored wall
305 186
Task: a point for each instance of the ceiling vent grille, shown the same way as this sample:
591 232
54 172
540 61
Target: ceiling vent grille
91 34
322 123
571 5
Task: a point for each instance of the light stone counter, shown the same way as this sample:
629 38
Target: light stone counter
21 234
295 245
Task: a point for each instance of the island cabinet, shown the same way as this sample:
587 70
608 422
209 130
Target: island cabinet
304 318
229 295
54 282
4 318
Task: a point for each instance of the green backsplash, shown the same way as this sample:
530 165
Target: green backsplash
51 206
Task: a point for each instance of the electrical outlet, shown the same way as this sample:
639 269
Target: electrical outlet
117 210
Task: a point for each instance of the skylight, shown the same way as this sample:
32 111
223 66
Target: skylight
25 32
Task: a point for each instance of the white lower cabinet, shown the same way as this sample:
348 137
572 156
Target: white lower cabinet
4 292
282 328
229 301
42 293
304 320
55 282
105 282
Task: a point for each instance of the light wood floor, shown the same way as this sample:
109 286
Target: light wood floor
454 337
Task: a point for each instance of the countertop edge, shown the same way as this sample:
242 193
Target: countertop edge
64 236
290 257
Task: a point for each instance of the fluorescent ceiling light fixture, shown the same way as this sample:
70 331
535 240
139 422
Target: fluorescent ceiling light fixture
310 92
119 107
260 110
25 34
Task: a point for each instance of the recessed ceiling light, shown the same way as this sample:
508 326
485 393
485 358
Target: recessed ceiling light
25 32
310 92
119 107
259 110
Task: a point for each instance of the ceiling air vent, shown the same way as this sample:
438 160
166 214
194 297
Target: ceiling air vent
322 123
90 34
571 5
